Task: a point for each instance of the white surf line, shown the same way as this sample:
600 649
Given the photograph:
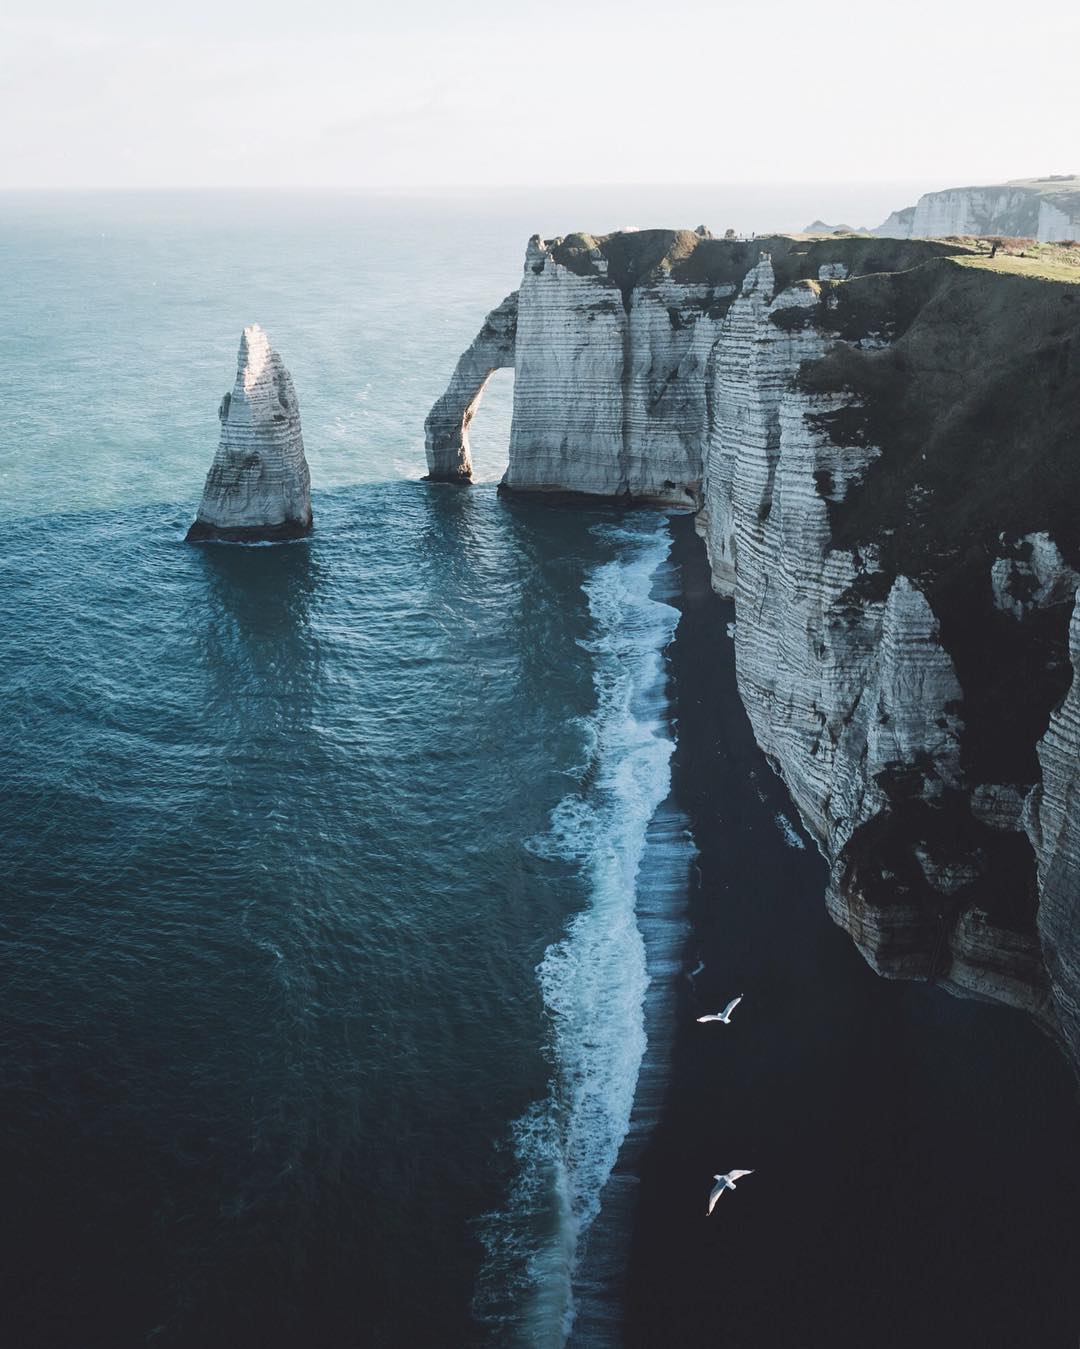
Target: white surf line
594 980
789 832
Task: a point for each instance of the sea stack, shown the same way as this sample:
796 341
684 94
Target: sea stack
258 487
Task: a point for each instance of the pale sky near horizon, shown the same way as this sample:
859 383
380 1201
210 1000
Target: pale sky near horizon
133 94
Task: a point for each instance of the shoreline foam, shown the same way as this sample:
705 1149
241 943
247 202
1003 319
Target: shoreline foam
595 980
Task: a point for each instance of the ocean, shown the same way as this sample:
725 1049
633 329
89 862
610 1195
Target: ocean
346 900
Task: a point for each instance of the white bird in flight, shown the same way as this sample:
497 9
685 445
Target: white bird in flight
725 1182
725 1015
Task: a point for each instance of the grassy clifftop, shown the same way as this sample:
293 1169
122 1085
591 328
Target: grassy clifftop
973 403
637 258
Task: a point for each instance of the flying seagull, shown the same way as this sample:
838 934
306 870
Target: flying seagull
726 1182
725 1015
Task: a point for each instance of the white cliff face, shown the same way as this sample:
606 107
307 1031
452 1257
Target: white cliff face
1053 822
609 390
610 394
1017 209
844 691
670 389
567 431
446 431
845 679
1055 226
975 211
258 486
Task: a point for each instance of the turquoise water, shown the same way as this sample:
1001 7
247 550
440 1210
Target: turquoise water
324 981
340 908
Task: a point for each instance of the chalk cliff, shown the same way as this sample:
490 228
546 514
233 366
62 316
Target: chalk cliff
1053 823
1047 209
446 430
881 441
258 487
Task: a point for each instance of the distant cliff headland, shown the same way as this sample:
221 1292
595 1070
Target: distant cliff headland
880 437
1046 209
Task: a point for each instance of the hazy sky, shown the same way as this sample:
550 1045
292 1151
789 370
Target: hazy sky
160 93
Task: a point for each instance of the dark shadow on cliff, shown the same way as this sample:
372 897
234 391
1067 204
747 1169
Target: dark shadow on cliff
916 1175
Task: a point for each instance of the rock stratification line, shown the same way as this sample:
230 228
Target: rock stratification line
446 430
258 487
881 438
1053 824
1047 209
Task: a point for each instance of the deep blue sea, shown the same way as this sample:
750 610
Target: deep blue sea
323 979
334 873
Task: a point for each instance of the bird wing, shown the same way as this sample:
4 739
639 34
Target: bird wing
712 1016
717 1190
732 1005
734 1175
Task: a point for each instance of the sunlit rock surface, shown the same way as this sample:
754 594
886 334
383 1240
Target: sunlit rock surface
446 431
1047 209
609 386
258 487
882 445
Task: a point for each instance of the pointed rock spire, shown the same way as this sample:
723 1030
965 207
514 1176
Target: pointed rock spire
258 486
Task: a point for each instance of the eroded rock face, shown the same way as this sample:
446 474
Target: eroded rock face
609 338
609 389
883 452
843 663
446 430
258 487
1043 209
842 670
1032 576
1054 827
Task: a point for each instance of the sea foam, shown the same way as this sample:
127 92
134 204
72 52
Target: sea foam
593 980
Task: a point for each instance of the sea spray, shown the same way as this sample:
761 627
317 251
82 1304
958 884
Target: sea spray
595 979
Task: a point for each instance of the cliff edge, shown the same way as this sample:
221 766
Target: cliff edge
880 437
1046 209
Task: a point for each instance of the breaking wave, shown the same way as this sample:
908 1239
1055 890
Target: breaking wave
594 979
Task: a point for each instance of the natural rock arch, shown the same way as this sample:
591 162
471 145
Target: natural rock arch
446 430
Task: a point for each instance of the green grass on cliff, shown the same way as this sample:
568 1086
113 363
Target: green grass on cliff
1045 262
641 257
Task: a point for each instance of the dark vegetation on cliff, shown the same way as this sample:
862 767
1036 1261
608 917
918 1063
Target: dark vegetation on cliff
979 431
973 407
958 361
637 258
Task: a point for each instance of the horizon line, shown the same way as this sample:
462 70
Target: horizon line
462 188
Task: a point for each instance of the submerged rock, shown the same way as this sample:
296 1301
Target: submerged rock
258 487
